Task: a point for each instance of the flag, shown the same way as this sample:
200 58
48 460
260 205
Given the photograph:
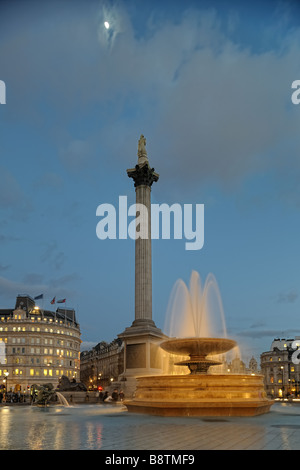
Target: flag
41 296
53 301
61 301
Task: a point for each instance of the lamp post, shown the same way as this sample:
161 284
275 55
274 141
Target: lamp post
99 381
6 376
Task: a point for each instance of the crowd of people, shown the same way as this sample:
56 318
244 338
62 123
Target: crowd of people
19 397
12 397
105 397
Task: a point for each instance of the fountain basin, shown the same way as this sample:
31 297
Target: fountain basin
200 395
198 346
197 349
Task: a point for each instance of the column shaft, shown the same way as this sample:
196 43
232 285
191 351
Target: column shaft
143 262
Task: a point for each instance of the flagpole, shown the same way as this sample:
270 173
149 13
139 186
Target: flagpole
52 303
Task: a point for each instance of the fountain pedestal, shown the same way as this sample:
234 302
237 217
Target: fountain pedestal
200 393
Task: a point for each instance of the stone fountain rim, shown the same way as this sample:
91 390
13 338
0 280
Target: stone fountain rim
227 345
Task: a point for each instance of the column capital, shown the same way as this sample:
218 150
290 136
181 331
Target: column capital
143 175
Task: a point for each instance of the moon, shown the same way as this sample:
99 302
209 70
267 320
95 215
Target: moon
106 24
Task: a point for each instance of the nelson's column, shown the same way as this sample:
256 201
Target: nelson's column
141 349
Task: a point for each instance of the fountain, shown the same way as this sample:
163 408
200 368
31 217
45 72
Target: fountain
41 395
194 316
44 395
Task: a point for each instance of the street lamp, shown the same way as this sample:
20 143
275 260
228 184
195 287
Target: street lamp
6 376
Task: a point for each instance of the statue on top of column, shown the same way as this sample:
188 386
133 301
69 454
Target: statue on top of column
142 152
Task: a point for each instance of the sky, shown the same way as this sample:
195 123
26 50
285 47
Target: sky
209 85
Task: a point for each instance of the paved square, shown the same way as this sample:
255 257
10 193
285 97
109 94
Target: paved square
112 428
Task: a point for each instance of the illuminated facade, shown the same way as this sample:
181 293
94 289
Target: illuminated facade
37 346
102 365
281 369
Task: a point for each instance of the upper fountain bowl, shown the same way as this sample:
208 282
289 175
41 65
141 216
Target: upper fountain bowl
198 346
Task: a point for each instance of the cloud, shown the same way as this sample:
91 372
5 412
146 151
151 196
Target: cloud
33 279
212 107
34 284
4 268
272 333
288 297
53 256
12 196
61 281
77 155
8 238
9 289
50 180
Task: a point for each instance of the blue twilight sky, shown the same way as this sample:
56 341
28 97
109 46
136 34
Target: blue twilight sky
209 85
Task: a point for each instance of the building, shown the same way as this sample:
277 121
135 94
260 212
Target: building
281 369
37 346
102 365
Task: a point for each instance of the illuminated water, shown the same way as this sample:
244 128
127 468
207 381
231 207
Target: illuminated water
113 428
197 310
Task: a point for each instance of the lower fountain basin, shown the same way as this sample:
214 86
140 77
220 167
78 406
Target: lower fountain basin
200 395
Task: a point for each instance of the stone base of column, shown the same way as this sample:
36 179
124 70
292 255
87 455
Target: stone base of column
142 353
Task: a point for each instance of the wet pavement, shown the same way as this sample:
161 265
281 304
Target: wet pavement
111 427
